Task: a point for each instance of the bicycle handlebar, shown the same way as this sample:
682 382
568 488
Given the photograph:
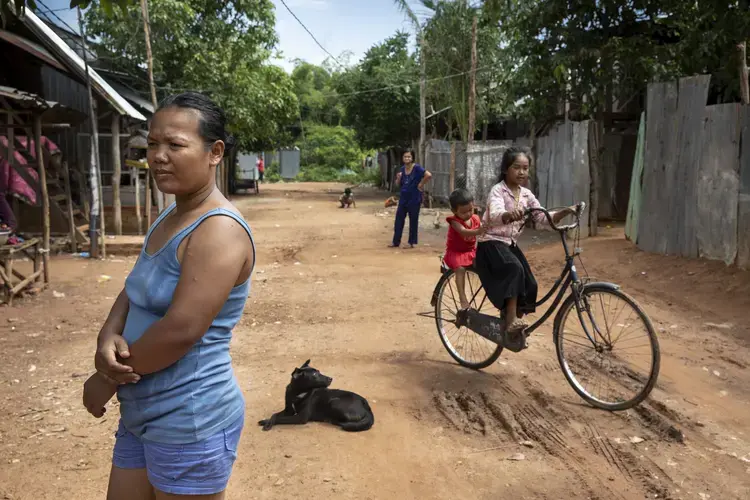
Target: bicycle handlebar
580 208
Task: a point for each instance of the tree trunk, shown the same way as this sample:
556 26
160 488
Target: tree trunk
116 161
472 83
162 201
422 102
95 176
744 84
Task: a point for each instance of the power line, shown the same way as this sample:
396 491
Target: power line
311 35
416 82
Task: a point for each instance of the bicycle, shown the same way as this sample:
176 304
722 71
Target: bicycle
584 295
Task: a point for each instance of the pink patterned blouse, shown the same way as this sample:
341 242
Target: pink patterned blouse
501 200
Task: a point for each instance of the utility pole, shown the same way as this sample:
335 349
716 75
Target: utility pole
95 172
160 198
473 82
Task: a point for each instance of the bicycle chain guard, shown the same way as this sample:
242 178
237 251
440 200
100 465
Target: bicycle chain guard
492 328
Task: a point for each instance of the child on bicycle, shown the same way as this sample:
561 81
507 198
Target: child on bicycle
461 244
502 267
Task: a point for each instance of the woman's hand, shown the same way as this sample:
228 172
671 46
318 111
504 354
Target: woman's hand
109 348
97 391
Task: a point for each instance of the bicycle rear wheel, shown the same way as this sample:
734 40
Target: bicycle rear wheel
468 348
616 365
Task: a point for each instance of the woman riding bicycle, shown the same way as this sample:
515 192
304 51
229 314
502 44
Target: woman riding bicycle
503 269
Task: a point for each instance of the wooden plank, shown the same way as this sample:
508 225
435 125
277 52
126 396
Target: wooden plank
693 94
636 192
658 159
7 285
580 187
743 207
718 184
542 168
26 282
8 280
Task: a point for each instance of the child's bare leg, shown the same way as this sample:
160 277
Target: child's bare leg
512 321
461 285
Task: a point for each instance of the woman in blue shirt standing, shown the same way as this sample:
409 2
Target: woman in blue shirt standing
164 349
411 177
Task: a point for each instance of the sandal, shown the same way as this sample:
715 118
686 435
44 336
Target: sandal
517 326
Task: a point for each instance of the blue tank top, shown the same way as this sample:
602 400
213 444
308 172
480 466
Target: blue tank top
198 395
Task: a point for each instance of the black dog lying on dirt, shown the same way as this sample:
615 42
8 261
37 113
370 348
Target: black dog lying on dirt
308 399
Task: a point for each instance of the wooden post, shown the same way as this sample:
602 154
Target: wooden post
44 194
472 83
158 194
71 217
452 176
116 160
596 136
744 84
148 199
137 188
103 218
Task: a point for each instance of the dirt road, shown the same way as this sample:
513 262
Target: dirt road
326 288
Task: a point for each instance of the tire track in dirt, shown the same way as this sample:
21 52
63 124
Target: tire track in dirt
574 441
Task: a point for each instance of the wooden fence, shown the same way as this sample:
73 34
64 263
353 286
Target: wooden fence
562 170
693 197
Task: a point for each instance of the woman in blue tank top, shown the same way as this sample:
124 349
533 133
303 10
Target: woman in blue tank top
164 349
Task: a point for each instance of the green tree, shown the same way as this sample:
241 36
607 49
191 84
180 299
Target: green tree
594 54
381 95
217 47
317 97
447 49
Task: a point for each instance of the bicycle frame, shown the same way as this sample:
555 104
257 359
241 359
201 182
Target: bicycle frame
568 279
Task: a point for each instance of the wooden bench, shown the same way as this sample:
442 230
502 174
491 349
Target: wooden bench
32 249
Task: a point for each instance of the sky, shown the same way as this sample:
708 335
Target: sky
339 25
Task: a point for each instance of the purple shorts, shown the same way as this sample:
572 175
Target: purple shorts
201 468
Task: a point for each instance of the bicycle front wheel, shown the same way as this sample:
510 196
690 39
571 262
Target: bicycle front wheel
469 349
607 348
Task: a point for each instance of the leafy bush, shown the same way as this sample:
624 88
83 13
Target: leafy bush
272 173
329 154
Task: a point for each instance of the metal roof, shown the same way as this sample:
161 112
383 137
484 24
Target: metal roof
67 55
32 48
51 112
